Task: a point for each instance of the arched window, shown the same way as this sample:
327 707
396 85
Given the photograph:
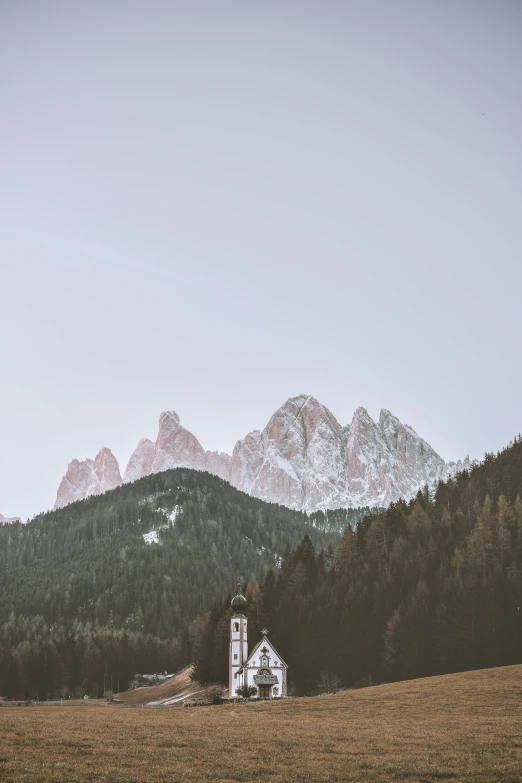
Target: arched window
264 660
236 627
275 692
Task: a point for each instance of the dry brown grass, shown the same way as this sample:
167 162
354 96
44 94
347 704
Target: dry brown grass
179 686
463 727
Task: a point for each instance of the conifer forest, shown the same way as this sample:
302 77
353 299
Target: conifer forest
140 580
104 588
427 587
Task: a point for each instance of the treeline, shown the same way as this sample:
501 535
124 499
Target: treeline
56 664
88 566
89 562
337 519
426 587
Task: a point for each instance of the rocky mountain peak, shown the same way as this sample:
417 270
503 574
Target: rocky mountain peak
303 459
106 472
386 418
6 520
361 421
88 477
176 446
169 420
141 460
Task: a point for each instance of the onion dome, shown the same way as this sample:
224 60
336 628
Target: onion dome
239 603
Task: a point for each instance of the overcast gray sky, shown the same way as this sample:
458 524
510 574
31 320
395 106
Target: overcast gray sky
213 206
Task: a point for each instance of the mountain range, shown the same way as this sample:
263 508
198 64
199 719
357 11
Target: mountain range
303 459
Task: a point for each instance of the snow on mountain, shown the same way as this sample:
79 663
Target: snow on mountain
387 460
6 520
141 461
218 463
304 458
88 478
452 468
176 446
298 459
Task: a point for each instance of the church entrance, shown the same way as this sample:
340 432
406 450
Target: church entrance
264 679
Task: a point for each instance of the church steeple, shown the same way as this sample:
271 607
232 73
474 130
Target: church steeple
239 603
238 643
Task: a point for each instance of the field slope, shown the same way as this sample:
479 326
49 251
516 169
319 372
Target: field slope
460 727
178 689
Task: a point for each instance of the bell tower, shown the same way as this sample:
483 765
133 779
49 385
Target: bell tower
238 643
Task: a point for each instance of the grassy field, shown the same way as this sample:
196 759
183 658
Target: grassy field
462 727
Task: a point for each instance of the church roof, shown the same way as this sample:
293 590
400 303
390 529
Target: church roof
265 639
239 602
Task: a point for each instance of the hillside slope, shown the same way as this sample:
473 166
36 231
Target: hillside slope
148 556
464 728
175 691
424 588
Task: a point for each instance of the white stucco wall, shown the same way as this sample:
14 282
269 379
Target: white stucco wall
269 660
238 651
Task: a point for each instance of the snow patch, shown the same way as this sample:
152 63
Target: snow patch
9 520
152 537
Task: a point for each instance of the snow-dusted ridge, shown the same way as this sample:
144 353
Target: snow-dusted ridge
304 459
153 536
8 520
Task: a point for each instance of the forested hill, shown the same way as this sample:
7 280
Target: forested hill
428 587
148 556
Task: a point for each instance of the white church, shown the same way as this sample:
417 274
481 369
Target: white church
263 668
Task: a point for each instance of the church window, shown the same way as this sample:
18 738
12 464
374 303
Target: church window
275 692
264 660
236 627
235 656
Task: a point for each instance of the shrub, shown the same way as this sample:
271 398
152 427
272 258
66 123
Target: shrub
216 695
247 691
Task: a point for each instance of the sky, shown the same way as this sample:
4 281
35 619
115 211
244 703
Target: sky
210 207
